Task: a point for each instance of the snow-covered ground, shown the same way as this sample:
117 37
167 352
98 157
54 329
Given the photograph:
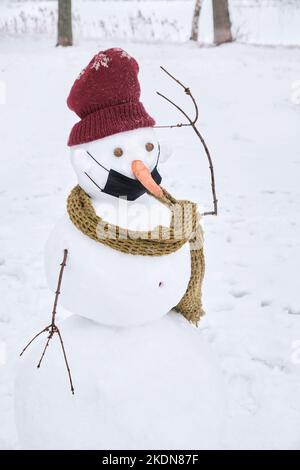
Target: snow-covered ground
249 116
267 22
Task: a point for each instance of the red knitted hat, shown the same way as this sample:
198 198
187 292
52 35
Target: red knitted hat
106 98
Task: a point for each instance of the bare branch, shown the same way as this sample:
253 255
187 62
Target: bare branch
31 341
52 328
43 353
187 91
192 123
63 264
66 360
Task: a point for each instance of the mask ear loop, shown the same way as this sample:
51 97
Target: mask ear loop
97 161
192 123
97 164
93 181
157 156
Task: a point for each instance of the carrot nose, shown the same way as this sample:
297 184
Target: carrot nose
143 175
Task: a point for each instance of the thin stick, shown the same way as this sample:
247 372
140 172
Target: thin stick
172 126
192 123
66 360
173 78
43 353
52 328
187 91
57 292
31 341
178 107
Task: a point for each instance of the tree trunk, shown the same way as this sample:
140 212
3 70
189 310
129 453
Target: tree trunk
195 21
64 25
222 23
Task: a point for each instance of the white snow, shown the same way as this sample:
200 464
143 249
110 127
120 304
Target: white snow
271 22
101 60
135 388
250 119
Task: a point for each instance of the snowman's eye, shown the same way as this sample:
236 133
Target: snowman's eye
149 147
118 152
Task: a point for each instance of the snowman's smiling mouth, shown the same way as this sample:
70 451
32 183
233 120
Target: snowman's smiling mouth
120 185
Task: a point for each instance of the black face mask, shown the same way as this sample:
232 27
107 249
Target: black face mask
119 185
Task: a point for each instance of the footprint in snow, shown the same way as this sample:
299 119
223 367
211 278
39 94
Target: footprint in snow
292 310
224 308
238 294
265 303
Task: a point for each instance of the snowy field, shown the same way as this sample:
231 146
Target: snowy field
265 22
250 119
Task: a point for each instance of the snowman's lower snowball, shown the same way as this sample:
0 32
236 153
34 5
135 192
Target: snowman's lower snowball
153 386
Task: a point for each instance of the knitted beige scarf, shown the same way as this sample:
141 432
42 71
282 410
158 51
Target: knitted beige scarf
161 241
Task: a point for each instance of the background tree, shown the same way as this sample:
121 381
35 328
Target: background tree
222 23
64 25
195 21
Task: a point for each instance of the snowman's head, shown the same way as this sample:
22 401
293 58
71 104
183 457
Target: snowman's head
126 161
113 147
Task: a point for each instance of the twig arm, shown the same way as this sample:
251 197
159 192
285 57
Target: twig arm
44 350
187 91
212 174
57 292
52 328
66 360
31 341
192 123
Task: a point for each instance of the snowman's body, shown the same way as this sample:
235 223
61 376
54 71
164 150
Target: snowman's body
140 381
112 287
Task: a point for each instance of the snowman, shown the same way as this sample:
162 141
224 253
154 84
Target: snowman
144 377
